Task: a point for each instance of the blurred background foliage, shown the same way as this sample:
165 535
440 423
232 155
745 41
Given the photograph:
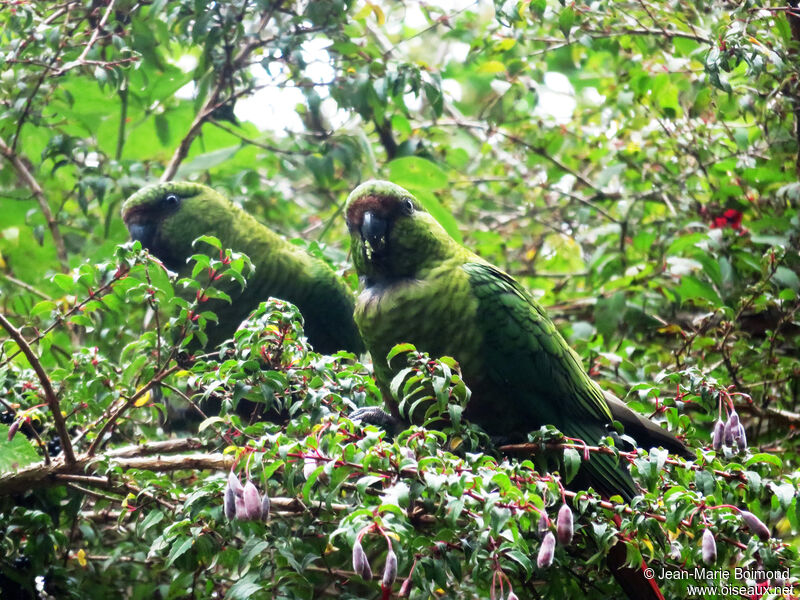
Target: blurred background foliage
634 164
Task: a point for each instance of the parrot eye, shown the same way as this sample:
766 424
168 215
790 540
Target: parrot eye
171 200
408 206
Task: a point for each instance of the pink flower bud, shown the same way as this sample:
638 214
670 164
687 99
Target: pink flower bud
360 562
544 524
229 503
12 430
405 589
309 466
719 436
729 432
709 547
233 482
238 502
265 506
545 557
512 596
252 500
389 570
564 527
741 438
755 525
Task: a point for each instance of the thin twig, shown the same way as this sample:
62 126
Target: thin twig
81 60
38 192
117 413
25 286
256 143
213 101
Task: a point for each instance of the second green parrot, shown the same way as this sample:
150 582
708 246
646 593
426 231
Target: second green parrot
167 217
421 286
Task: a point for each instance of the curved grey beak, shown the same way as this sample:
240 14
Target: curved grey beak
373 230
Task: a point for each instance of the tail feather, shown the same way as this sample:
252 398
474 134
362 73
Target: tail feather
632 580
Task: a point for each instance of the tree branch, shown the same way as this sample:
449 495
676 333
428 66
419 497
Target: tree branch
38 193
148 457
112 419
49 394
213 100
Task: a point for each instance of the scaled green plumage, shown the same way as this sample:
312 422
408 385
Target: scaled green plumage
422 287
168 217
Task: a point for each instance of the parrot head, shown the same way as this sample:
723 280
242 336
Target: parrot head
392 235
167 217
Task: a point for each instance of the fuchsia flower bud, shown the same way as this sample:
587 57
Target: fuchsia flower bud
389 569
546 551
719 436
265 506
741 438
756 525
241 511
544 524
233 503
229 503
233 482
709 547
361 562
564 527
12 430
252 500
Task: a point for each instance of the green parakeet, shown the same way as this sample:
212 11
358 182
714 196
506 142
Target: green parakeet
167 217
422 287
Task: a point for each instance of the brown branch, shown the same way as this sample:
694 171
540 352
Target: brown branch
102 291
529 448
49 394
117 413
213 101
667 33
81 471
779 414
96 31
457 122
794 25
256 143
25 286
26 176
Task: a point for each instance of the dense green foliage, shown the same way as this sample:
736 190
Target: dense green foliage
651 203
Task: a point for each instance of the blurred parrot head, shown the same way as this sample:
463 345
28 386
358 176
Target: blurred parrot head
167 217
393 237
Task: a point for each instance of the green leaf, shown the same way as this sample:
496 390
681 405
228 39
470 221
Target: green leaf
45 306
566 19
572 462
204 162
245 588
416 173
763 457
16 454
691 288
178 549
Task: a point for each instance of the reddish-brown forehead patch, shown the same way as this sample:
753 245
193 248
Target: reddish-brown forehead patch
383 206
137 213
